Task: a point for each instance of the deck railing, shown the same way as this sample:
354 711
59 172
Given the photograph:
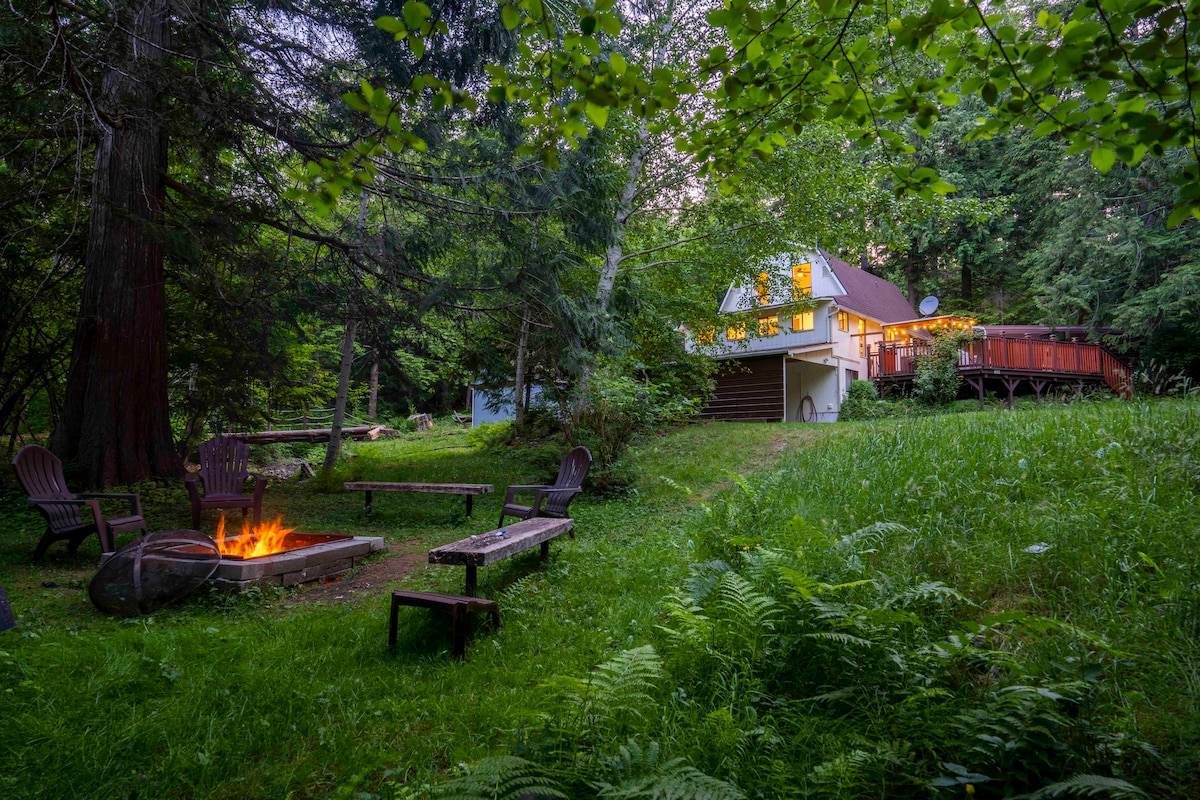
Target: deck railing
1019 355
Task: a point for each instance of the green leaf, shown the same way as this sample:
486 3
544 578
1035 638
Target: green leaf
1097 90
510 16
356 101
416 14
610 24
597 114
1103 159
390 25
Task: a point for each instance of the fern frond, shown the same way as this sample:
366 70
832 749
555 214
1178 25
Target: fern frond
745 604
622 687
637 774
499 778
1088 786
840 638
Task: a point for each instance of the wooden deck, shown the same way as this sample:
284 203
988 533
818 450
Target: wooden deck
1009 361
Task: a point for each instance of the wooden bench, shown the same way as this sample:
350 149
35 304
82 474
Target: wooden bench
488 548
456 606
467 490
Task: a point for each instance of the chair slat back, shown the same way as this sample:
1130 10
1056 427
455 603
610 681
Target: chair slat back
41 475
571 472
224 465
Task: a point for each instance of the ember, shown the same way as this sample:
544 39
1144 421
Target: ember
262 540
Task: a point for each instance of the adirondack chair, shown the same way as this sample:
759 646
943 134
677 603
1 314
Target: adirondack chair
41 475
224 470
551 501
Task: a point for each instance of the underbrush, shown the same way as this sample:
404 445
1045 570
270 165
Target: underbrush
993 606
996 605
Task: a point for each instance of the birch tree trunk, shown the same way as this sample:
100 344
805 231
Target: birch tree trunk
519 379
115 425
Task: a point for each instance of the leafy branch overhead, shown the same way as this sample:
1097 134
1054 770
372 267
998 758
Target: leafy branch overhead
1115 78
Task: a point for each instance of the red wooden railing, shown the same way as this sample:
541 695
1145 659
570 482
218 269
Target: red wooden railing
1023 355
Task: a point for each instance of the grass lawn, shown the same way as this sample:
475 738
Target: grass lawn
916 537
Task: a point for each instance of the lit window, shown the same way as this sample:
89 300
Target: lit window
705 335
862 326
762 288
803 321
768 326
802 281
844 321
736 331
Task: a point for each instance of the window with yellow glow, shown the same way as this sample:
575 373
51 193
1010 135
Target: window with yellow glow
803 321
844 321
704 335
736 331
762 288
802 281
768 326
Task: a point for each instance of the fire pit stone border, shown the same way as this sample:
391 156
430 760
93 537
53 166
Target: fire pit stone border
315 562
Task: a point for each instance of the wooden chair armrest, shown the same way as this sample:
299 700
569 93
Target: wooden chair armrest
135 500
512 490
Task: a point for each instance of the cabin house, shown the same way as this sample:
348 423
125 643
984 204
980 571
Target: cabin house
796 338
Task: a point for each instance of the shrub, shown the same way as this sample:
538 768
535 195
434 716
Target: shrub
937 380
862 402
618 408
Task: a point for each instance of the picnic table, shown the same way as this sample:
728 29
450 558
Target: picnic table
467 490
488 548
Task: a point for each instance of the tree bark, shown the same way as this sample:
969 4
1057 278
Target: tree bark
373 402
343 393
115 426
519 378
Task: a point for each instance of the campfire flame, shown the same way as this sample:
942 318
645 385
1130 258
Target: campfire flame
261 540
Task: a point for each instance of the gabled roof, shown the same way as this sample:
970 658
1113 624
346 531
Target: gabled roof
868 295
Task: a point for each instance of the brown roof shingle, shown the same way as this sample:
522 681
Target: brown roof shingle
869 295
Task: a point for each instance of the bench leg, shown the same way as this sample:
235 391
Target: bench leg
392 623
458 628
469 499
367 494
470 592
545 549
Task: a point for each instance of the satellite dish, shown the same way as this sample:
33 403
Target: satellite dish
928 306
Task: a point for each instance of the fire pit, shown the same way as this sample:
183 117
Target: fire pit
271 555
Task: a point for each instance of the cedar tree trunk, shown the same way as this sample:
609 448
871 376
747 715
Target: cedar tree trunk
115 426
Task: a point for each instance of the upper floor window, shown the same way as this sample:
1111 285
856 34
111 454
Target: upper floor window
801 281
704 335
762 288
736 331
768 326
803 321
844 321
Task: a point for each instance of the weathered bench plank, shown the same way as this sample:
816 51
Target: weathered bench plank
467 490
490 547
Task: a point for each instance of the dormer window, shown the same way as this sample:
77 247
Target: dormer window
762 289
801 281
